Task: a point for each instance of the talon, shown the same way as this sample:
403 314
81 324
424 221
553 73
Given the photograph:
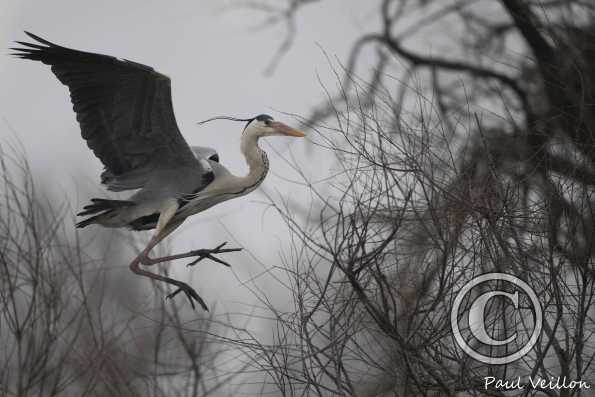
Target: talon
194 262
190 299
214 259
192 296
176 292
208 253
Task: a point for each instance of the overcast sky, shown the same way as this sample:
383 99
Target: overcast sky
217 61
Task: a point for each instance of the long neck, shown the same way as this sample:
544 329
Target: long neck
257 161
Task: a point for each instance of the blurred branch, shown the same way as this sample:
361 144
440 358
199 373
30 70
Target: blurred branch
486 165
65 327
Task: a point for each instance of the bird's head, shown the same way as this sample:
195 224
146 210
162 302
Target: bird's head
264 125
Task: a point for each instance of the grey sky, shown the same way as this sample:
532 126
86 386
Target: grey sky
216 61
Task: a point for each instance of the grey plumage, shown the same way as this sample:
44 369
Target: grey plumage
126 116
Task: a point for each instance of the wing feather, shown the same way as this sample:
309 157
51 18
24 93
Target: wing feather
124 110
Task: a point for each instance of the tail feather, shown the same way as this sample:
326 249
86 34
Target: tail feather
100 207
88 221
103 205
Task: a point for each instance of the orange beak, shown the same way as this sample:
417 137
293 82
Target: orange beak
286 130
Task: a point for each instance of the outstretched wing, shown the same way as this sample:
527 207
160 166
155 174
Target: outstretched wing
124 110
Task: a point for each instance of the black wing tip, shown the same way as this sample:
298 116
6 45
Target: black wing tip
33 51
22 55
51 53
32 45
40 39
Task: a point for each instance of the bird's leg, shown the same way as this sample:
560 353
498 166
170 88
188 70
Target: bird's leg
164 228
188 290
200 254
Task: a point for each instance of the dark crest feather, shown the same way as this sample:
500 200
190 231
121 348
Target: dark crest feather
260 117
224 118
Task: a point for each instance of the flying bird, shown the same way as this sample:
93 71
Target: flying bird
126 116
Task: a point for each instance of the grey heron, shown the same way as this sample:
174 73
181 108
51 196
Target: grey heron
126 116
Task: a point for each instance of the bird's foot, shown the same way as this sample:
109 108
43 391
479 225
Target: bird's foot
208 253
191 294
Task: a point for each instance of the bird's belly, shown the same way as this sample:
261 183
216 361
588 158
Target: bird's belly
144 216
200 205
